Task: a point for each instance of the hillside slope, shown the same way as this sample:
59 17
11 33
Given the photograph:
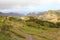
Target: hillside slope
12 28
51 15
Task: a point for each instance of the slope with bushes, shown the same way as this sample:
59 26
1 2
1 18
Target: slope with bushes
13 28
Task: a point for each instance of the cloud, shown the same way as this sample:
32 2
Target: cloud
21 4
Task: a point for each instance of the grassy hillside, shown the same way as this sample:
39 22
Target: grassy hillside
12 28
51 15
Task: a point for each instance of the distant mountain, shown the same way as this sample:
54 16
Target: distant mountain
32 14
11 14
57 12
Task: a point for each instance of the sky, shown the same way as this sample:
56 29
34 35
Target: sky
25 6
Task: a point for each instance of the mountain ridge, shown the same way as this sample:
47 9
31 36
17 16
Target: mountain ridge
50 15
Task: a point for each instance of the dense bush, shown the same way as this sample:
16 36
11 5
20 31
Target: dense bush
42 23
58 24
15 19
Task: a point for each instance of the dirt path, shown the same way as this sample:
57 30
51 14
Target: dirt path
29 37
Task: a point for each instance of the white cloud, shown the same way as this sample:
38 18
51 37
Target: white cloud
57 1
8 4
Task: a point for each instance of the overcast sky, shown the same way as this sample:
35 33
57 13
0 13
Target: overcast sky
28 5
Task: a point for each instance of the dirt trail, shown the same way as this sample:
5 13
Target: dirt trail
29 37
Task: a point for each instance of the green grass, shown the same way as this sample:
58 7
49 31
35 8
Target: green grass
40 30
